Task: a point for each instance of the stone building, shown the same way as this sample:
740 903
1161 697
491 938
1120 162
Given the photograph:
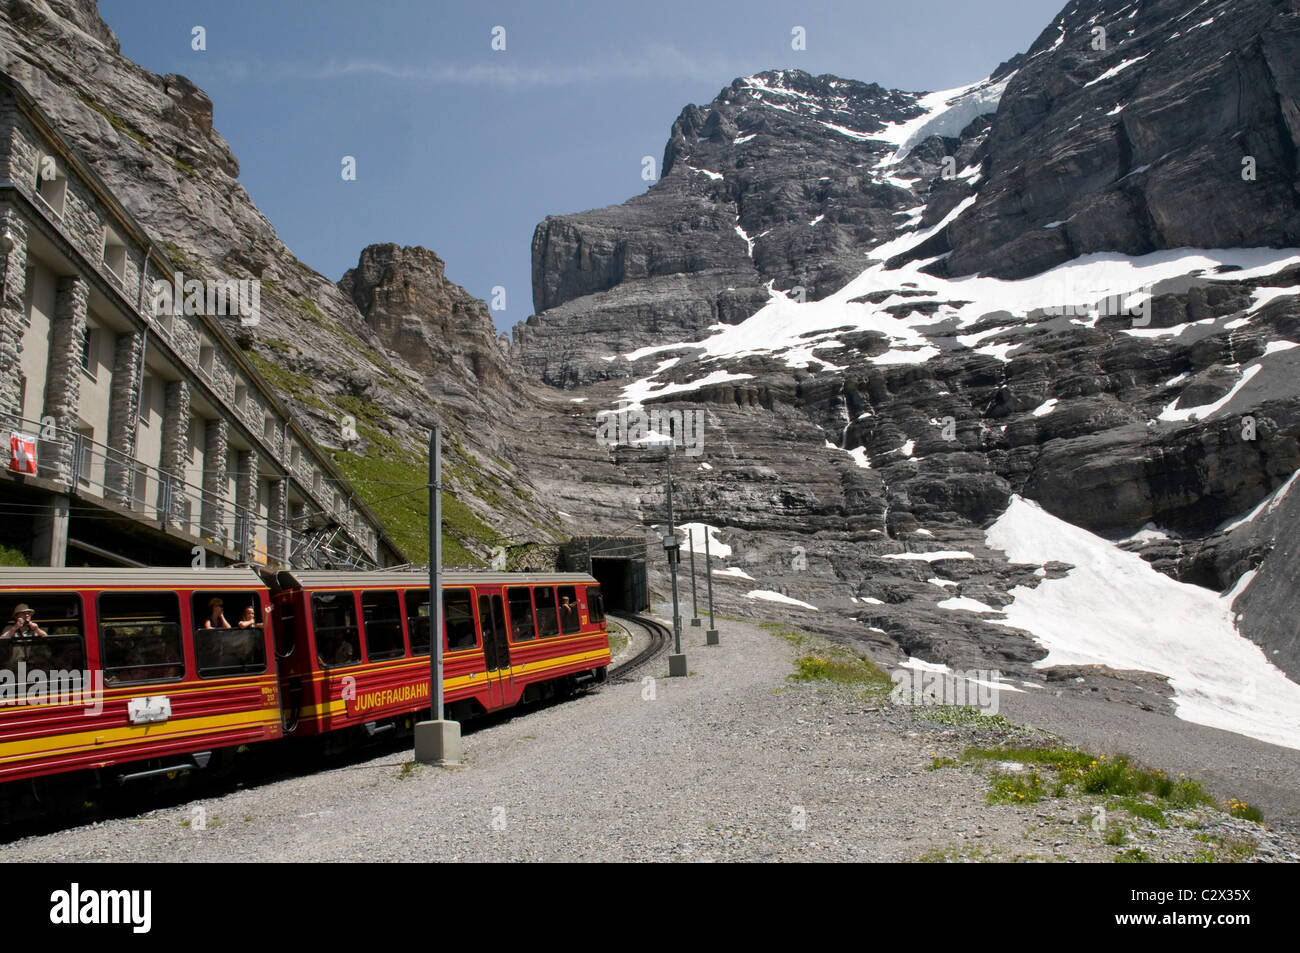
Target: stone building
153 432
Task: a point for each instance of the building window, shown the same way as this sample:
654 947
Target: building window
241 397
268 431
115 254
52 190
87 440
206 356
87 351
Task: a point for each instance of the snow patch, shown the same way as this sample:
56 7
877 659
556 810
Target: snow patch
1114 609
769 596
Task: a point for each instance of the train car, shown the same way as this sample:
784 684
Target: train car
354 646
133 672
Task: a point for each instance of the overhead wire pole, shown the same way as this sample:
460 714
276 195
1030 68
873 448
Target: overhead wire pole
695 597
676 661
436 741
710 636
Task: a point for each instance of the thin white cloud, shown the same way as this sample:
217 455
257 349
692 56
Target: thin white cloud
655 63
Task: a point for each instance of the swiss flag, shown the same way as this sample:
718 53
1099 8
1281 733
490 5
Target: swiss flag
22 453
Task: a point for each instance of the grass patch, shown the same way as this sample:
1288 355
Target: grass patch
1134 855
394 485
297 386
9 556
961 716
842 670
617 642
1145 810
1223 849
1016 789
1243 810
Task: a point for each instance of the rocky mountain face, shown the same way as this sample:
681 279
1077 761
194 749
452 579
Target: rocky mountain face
898 311
1142 126
395 346
777 182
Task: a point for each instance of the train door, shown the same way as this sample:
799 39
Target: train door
496 649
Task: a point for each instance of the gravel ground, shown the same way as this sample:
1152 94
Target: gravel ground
735 762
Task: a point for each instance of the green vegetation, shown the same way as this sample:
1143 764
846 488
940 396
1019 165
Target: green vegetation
962 716
1243 810
822 661
617 642
395 486
308 308
12 557
120 124
297 386
1223 849
178 255
1134 855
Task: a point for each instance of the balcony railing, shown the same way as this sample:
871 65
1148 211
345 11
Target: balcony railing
99 474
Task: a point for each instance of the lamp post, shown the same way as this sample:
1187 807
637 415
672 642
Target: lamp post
436 741
710 636
695 596
677 660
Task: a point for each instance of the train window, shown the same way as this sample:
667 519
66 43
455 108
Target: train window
595 604
140 637
383 621
334 623
417 620
458 619
229 637
521 615
49 639
548 621
569 619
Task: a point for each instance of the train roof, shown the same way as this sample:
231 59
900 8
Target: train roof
320 579
178 577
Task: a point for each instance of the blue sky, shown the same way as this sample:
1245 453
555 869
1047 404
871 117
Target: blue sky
464 149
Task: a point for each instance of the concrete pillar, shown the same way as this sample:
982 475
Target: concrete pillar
246 500
63 383
50 533
277 537
123 412
211 514
13 315
175 445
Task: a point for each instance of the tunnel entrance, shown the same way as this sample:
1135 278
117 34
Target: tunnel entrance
617 562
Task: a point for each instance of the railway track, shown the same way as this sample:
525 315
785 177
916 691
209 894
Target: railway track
660 637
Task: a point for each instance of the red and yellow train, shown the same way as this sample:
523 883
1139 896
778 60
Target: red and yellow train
133 673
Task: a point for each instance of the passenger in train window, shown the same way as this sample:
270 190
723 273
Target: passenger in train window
568 615
22 625
248 621
216 618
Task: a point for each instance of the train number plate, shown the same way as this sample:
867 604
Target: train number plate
149 710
